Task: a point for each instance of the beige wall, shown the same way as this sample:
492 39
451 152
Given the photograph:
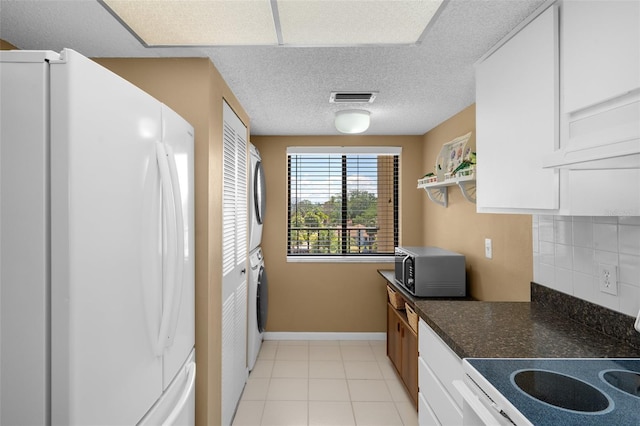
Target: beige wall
459 228
5 45
195 90
329 297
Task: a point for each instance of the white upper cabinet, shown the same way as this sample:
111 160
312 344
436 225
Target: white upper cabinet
517 119
558 113
600 51
600 81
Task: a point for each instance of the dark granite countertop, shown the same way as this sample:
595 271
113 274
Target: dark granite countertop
480 329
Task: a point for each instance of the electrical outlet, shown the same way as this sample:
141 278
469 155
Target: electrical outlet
488 248
608 278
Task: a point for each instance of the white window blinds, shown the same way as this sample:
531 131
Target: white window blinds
342 201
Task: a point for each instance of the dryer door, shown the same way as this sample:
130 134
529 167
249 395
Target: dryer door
259 192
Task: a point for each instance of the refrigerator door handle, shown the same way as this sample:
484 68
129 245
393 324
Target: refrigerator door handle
168 276
188 389
178 281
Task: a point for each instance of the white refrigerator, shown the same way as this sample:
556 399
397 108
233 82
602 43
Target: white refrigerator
96 248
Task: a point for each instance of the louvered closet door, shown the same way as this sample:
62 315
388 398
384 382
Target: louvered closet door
234 262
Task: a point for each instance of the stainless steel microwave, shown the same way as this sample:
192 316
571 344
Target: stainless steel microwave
430 271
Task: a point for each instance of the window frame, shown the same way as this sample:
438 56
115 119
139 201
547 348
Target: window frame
343 151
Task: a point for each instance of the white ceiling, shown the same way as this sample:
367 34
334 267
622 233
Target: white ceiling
285 90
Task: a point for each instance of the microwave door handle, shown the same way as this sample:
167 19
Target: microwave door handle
404 268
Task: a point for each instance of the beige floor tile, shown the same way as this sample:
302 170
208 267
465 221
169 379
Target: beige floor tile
325 353
369 390
376 414
285 413
357 353
262 369
326 370
290 369
387 369
268 350
288 389
324 383
256 389
398 391
362 370
324 343
354 343
328 390
330 413
249 413
293 343
379 350
408 413
293 353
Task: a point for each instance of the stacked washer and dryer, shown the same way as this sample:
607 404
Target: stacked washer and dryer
257 315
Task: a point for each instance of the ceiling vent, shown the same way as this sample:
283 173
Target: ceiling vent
352 97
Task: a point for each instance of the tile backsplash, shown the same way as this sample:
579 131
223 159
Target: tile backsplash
568 249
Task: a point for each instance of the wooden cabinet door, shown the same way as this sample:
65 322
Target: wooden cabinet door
410 361
394 341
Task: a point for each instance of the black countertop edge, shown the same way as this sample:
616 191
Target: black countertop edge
547 327
603 320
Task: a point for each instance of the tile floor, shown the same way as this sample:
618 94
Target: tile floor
324 383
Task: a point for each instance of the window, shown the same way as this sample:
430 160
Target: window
343 201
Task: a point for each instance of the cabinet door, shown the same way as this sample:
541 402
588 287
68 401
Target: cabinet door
410 361
394 342
517 120
438 367
600 51
234 262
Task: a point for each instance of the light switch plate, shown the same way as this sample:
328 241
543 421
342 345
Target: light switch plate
488 248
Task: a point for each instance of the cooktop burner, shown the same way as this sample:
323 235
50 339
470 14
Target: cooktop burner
567 391
561 391
626 381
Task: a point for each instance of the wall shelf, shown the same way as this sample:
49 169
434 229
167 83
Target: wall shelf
438 192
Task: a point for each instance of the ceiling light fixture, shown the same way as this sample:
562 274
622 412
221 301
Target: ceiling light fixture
352 121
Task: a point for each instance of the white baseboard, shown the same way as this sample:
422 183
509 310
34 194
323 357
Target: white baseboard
290 335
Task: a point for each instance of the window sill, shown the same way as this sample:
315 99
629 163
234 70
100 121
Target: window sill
341 259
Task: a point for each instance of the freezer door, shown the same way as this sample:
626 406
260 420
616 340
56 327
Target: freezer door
176 407
179 340
106 246
24 226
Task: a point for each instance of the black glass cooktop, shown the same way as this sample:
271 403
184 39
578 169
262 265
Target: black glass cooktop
568 391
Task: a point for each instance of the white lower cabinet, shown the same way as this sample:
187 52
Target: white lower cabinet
426 416
438 366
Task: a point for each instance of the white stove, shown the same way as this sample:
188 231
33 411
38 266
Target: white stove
580 391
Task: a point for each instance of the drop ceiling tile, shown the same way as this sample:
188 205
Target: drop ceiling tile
354 22
193 23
